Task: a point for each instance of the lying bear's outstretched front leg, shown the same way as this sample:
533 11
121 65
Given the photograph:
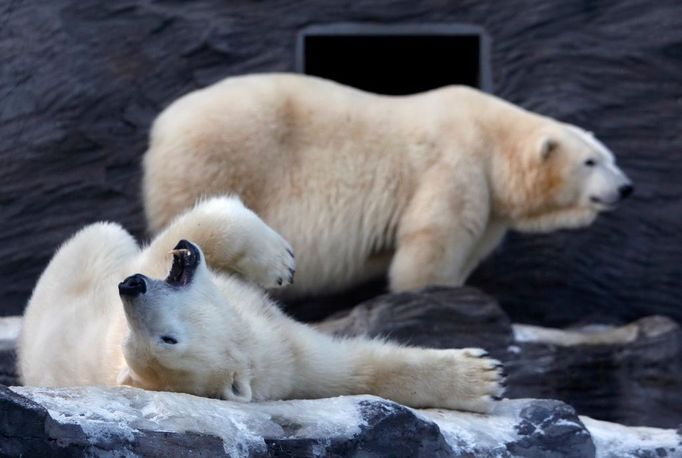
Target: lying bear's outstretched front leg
233 239
463 379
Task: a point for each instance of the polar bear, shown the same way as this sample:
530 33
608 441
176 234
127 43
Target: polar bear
210 329
422 187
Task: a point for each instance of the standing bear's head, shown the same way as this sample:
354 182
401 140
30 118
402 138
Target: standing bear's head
184 336
555 175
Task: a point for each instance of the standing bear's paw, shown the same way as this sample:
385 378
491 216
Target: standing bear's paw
238 241
469 379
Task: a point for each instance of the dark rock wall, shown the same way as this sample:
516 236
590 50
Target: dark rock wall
81 81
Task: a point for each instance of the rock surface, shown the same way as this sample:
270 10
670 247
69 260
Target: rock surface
81 81
435 317
127 421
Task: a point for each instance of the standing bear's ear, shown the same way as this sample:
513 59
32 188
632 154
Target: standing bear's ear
547 146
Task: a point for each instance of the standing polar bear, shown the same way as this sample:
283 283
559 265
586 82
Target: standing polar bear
422 187
207 329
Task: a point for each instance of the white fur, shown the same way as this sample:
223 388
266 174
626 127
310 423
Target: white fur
232 341
422 187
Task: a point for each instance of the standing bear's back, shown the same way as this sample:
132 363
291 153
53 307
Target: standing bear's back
347 176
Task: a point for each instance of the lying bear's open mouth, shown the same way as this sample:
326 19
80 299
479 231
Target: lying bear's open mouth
186 258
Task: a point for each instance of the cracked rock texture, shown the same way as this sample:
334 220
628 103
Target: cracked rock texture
128 421
81 81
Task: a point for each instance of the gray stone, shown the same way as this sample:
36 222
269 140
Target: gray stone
98 421
434 317
130 421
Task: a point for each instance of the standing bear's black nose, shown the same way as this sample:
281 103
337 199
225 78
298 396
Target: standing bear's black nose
626 190
133 286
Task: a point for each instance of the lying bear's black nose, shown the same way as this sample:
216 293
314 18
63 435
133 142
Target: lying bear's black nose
626 190
133 286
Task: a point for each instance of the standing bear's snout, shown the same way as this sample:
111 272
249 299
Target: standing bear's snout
626 190
133 286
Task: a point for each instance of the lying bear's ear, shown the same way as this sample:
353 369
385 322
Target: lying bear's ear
124 377
239 390
547 147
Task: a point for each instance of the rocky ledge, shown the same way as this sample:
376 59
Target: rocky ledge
630 374
132 422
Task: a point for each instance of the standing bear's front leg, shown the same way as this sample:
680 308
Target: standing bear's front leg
438 233
234 240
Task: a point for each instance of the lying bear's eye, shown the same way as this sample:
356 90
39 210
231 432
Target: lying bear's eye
169 340
590 163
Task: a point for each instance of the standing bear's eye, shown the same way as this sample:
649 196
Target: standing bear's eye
590 162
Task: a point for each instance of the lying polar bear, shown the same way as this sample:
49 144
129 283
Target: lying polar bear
211 331
422 187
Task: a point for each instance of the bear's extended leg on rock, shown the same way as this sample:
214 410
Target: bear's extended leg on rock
418 377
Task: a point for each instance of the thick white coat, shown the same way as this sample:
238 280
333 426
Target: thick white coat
230 340
422 187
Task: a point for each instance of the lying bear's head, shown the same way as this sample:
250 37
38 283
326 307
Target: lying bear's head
557 176
183 336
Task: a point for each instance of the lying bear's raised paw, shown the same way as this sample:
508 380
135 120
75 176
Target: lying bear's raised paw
241 242
270 261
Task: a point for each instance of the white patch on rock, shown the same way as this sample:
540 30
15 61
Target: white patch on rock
469 433
104 412
594 335
613 440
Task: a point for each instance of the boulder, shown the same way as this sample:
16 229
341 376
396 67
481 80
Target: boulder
436 317
98 421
